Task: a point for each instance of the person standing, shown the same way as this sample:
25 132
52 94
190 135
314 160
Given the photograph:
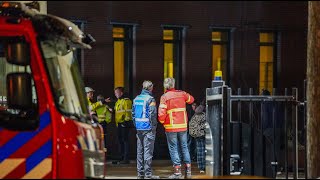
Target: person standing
191 140
144 116
93 105
104 114
123 119
172 114
197 130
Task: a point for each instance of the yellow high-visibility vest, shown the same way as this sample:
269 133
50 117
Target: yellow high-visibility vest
93 106
104 114
123 110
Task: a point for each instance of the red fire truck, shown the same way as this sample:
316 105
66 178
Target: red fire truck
45 128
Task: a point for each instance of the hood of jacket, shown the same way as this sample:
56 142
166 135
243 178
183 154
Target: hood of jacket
199 109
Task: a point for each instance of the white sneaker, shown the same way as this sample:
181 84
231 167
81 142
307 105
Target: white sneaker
201 172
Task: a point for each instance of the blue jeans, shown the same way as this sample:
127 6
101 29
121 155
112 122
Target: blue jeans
176 141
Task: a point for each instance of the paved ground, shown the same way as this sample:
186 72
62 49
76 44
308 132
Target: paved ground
162 168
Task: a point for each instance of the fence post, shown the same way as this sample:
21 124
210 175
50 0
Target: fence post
295 130
274 162
286 134
252 134
305 130
262 106
224 128
214 118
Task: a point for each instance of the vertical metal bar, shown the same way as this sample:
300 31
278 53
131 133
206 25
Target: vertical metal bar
214 116
224 135
239 106
274 162
286 134
295 132
263 138
250 108
240 126
222 131
228 135
252 134
305 130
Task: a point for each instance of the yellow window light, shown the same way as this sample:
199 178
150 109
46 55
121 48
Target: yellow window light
118 32
216 36
266 37
167 34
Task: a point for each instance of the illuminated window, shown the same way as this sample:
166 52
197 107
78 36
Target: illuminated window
173 54
267 57
118 52
122 53
220 52
168 53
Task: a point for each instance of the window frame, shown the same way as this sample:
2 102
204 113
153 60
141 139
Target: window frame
129 40
179 35
229 49
275 45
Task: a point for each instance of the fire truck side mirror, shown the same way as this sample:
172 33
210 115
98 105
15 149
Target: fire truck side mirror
19 91
17 53
22 114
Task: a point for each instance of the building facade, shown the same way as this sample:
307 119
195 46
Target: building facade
259 45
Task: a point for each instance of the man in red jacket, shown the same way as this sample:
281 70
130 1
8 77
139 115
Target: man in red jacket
172 114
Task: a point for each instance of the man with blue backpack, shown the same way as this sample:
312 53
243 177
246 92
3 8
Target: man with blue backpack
144 116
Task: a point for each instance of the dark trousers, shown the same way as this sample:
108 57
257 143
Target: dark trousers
123 137
201 155
104 126
192 146
145 147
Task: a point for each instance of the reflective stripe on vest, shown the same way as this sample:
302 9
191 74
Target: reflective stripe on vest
176 110
175 125
141 112
104 114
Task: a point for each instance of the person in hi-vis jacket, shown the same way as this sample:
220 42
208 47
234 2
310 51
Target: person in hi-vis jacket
172 114
123 119
144 116
94 105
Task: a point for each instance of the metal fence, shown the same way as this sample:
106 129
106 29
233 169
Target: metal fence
254 134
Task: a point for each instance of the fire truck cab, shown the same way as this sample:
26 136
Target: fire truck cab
45 128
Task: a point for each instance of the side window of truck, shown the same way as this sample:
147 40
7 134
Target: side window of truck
17 110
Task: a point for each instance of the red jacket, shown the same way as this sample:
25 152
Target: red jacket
172 110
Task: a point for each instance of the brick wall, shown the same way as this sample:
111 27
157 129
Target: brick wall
245 17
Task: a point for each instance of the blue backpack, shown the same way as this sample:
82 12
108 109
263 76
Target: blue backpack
141 112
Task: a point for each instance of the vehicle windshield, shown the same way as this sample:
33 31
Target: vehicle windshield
65 77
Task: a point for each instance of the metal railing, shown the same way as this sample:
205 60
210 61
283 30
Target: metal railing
242 128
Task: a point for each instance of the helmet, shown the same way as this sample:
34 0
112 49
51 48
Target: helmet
88 89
